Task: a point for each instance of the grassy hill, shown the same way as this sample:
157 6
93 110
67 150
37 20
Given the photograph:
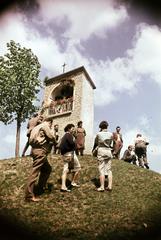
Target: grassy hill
131 211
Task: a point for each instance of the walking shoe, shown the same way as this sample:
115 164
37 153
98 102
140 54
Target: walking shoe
65 190
75 185
146 165
100 189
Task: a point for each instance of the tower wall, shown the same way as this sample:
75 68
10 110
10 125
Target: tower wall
83 108
87 113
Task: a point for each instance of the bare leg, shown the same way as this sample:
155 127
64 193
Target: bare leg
64 177
102 182
109 179
140 160
75 177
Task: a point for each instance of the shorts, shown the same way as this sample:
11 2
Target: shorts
67 158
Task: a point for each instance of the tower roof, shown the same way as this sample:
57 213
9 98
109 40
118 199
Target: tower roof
68 74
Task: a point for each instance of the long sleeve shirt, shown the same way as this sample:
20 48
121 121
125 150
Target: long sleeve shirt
127 155
41 136
67 143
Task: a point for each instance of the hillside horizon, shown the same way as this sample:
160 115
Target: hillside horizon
131 211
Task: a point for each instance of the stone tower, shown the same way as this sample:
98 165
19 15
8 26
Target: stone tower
68 98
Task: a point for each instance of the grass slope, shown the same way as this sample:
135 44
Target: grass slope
131 211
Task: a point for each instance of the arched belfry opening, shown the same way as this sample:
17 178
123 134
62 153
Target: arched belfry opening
61 98
69 98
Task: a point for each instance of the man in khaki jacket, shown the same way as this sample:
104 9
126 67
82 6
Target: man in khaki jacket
33 122
41 140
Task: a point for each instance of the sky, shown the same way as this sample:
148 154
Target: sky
118 43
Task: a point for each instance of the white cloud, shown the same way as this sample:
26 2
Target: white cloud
84 18
122 74
13 26
129 136
146 53
144 122
111 77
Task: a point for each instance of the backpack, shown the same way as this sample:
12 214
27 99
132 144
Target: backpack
37 137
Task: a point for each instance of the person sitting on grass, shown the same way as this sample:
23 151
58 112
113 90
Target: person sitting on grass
71 162
129 156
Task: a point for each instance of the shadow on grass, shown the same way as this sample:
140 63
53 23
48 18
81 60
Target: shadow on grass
68 182
39 191
11 229
96 182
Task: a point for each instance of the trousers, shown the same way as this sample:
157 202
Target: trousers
41 168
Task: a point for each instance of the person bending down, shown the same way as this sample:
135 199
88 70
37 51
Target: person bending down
141 150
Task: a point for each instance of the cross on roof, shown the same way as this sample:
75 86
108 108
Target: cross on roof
64 67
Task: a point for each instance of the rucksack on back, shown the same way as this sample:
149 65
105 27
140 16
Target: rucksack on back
37 137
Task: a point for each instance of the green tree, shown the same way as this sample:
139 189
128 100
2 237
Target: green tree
19 86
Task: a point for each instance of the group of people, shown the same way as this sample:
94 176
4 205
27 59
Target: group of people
107 145
137 153
43 139
79 134
59 105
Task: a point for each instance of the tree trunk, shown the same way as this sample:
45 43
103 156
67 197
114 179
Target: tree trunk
18 138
